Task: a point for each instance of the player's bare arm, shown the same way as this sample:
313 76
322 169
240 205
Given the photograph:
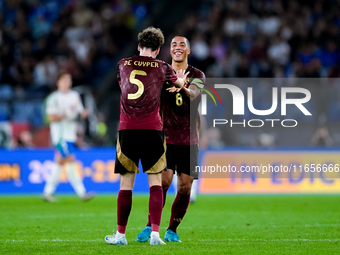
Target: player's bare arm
56 118
192 92
84 114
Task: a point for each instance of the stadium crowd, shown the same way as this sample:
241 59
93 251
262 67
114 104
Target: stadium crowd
83 37
40 37
269 38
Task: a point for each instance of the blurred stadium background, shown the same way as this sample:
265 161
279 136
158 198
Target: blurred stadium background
229 38
264 39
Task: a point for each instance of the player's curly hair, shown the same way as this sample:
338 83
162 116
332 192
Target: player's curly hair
151 37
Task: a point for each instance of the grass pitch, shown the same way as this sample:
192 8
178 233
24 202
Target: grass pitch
213 225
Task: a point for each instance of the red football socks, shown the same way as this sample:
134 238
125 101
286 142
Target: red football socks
178 210
155 207
124 203
164 199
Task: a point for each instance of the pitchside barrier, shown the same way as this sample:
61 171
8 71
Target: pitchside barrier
231 170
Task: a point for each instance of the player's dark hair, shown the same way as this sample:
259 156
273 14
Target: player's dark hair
60 74
151 37
185 39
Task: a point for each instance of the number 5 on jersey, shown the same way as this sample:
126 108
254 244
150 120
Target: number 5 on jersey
137 82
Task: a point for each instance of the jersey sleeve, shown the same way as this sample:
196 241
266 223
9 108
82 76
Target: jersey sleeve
118 76
118 73
170 76
52 105
202 77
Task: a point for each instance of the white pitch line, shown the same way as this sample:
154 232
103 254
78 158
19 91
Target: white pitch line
55 240
323 225
76 230
268 240
307 225
273 226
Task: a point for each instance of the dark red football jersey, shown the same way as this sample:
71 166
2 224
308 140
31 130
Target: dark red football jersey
178 126
141 80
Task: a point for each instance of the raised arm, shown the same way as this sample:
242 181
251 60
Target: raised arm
181 76
192 92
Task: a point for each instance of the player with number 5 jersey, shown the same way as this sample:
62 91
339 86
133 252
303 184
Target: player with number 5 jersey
140 132
181 128
141 79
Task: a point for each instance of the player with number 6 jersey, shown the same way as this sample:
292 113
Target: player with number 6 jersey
181 128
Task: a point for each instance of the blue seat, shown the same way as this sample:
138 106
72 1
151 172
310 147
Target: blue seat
4 111
28 111
6 91
22 111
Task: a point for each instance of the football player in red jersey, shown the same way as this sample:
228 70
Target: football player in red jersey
181 134
140 132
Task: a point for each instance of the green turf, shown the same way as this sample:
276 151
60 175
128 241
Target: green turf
213 225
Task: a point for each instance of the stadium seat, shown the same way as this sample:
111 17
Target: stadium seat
6 91
22 111
4 111
28 111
